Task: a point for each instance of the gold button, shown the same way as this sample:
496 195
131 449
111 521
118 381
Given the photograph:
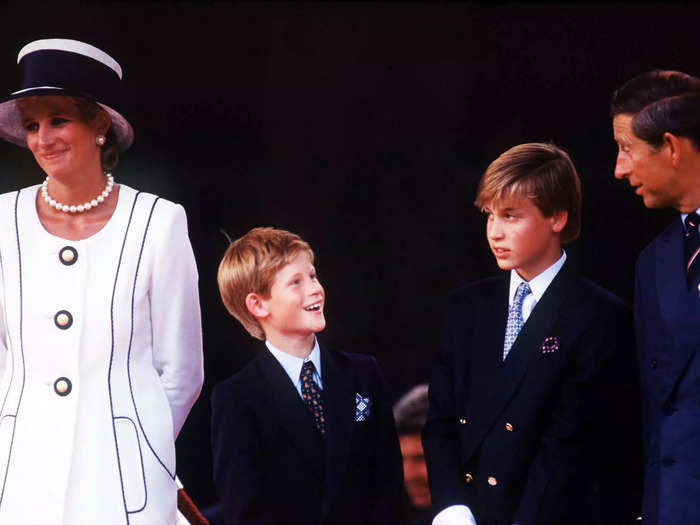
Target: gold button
492 481
62 319
462 421
67 256
468 478
509 427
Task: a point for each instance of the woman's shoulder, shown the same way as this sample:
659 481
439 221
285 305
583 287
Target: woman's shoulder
162 209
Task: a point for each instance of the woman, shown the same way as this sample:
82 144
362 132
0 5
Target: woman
100 335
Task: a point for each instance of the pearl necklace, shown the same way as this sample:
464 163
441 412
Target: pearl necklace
80 207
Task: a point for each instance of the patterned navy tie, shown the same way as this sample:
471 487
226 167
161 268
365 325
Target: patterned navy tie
515 318
313 396
691 244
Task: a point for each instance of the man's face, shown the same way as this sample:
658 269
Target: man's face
648 170
414 471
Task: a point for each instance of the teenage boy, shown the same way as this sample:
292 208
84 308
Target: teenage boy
302 435
532 416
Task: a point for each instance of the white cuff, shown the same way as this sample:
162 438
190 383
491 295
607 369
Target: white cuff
455 515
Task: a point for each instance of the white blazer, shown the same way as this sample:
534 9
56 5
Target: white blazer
100 363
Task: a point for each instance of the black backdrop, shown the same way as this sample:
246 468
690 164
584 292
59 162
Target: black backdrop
364 128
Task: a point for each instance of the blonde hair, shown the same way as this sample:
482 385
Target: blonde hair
249 266
542 173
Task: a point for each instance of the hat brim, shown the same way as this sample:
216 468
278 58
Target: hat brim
11 128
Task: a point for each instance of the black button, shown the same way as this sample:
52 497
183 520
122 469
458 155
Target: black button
668 462
62 386
68 255
654 364
63 319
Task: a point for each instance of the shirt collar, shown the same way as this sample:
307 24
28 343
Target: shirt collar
292 364
684 215
539 284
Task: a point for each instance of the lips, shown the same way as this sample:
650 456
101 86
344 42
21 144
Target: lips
500 252
52 155
314 307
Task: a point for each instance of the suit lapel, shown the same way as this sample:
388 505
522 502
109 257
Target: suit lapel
486 343
486 408
680 309
285 404
339 399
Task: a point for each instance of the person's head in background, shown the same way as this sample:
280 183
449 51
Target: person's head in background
410 414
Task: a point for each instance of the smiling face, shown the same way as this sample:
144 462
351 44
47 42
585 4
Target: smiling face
62 142
521 238
294 311
647 169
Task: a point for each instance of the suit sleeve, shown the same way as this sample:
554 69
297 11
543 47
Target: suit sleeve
175 314
389 471
440 438
237 460
592 430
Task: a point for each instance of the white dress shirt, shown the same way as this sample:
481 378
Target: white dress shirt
292 364
461 514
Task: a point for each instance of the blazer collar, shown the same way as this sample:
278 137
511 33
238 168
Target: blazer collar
513 369
285 404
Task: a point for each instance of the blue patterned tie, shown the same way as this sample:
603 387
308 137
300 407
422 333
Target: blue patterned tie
313 396
515 318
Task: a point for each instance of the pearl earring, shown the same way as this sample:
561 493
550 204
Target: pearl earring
100 140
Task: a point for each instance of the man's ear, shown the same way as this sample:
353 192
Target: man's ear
673 144
559 219
256 306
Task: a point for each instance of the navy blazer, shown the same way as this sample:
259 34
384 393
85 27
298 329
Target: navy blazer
550 434
272 467
667 324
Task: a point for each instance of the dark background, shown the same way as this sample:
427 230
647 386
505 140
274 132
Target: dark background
364 128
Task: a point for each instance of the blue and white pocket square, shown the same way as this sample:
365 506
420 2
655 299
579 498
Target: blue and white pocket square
362 407
550 345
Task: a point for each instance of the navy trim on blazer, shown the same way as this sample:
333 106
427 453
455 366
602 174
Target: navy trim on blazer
111 354
131 336
21 346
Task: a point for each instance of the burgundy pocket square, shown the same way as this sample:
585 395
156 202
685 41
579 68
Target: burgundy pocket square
550 345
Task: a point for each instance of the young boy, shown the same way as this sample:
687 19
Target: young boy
532 415
302 435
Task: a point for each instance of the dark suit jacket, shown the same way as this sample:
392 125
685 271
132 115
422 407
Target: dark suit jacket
550 434
667 322
272 467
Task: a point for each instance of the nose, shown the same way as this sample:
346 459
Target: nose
316 288
494 229
622 167
45 136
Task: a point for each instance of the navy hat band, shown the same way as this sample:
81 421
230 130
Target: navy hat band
74 73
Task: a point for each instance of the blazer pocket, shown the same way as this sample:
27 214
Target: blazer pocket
130 464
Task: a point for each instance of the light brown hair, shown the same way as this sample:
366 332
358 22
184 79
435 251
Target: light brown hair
542 173
249 266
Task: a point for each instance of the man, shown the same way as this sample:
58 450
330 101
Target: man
410 413
656 123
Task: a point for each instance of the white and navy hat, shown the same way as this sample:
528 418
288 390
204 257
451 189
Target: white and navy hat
58 66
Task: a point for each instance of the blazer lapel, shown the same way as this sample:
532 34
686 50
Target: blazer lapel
680 309
489 406
285 404
339 399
